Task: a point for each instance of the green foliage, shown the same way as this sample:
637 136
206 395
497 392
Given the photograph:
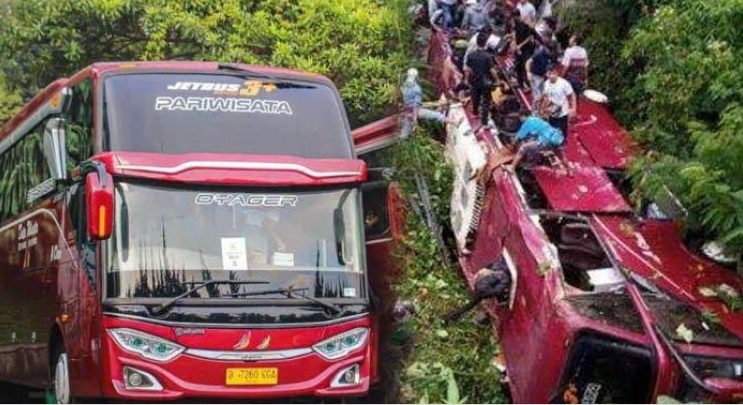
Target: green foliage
10 102
450 364
452 390
691 109
20 171
426 157
357 43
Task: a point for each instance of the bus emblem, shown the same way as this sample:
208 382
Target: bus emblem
243 343
264 344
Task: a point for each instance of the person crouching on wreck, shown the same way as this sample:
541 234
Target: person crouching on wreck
534 137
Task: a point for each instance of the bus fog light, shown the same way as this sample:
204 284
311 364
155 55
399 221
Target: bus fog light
139 380
135 379
347 377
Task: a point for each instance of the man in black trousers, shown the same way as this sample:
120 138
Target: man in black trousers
477 70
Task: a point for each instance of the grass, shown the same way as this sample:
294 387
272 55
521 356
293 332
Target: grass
440 364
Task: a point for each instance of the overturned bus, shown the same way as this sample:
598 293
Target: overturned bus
608 303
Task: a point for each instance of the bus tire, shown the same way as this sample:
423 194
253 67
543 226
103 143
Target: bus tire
61 377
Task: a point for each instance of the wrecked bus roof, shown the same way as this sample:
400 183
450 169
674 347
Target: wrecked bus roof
587 189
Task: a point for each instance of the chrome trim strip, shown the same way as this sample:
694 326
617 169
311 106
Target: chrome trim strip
236 325
376 241
290 167
249 356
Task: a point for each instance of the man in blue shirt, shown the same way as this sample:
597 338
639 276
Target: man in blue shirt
535 135
412 100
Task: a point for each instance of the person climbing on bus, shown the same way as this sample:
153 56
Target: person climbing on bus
534 137
413 109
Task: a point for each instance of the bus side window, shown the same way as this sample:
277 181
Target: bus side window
376 217
22 167
79 124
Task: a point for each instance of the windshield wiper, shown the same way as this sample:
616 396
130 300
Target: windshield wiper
201 284
238 68
289 293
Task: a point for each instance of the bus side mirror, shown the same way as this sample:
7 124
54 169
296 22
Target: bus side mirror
99 202
55 152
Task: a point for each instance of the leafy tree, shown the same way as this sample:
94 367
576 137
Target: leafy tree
360 44
10 102
689 109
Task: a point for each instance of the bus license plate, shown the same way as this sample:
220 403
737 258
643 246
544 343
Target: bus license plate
252 376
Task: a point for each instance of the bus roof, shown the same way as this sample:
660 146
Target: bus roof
101 68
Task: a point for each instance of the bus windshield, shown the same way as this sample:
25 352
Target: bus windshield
221 113
167 237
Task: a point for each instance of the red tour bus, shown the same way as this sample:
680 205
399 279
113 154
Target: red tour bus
175 230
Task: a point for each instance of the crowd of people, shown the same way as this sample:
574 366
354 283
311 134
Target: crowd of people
480 32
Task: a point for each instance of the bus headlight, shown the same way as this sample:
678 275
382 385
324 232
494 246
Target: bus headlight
342 344
146 345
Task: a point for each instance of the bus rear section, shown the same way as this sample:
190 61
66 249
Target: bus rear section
208 238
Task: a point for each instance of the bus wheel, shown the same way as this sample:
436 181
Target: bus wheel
62 393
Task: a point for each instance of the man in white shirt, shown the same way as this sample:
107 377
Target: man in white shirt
527 11
575 63
559 98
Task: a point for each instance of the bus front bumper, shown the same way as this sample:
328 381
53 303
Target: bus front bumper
201 374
